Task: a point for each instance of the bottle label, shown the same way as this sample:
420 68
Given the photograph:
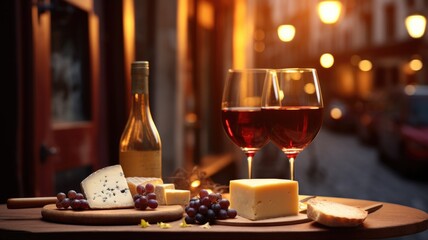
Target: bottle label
141 163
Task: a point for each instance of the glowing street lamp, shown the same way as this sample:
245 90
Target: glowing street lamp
415 25
329 11
286 32
326 60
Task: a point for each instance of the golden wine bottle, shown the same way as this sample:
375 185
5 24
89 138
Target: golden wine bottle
140 149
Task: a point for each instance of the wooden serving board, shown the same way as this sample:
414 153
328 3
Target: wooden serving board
129 216
241 221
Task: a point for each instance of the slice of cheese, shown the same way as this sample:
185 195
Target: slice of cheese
177 197
107 188
160 192
133 182
257 199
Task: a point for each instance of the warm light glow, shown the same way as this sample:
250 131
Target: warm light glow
416 25
326 60
195 184
409 90
286 32
309 88
336 113
329 11
416 64
365 65
240 35
206 14
128 37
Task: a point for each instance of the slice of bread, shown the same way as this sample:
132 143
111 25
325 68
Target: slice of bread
335 214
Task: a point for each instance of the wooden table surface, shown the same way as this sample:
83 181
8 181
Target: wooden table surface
391 220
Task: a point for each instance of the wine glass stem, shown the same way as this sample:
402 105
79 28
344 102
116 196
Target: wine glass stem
250 162
291 160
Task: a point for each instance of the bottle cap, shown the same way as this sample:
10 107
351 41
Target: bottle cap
140 74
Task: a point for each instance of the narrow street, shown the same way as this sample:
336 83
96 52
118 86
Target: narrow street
338 165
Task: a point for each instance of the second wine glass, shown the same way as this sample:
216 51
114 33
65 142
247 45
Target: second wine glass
292 107
241 111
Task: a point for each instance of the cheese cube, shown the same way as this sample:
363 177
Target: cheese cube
177 197
133 182
160 192
107 188
257 199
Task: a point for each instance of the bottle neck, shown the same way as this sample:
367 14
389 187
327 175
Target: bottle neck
140 81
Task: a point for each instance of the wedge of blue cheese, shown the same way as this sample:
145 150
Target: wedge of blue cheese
107 188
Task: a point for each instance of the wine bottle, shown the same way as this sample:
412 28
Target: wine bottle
140 149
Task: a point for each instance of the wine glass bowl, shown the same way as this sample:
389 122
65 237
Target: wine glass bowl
242 118
292 107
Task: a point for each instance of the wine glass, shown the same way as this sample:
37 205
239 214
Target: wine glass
292 107
241 111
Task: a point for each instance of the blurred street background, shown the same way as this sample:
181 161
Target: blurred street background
338 164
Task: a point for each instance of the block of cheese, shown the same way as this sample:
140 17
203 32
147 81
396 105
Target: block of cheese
107 188
257 199
160 192
133 182
177 197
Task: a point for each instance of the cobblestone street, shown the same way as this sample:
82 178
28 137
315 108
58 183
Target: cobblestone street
339 165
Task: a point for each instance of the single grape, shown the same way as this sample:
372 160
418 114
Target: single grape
136 196
206 201
58 204
84 205
141 189
79 196
151 196
231 213
144 203
210 215
150 188
75 204
222 214
213 197
195 204
72 194
66 203
191 212
189 220
224 203
152 203
137 203
201 219
216 207
60 196
203 209
203 193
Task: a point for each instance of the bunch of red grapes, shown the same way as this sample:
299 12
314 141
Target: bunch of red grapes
73 199
145 197
208 207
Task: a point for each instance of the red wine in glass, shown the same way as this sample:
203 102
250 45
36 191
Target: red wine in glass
293 128
246 128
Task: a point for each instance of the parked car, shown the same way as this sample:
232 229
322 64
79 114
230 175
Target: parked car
402 131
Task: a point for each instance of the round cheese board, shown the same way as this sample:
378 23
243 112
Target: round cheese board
288 220
129 216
